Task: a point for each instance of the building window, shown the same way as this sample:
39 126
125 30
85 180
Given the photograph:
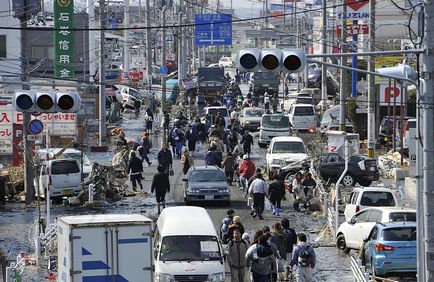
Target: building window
41 52
2 46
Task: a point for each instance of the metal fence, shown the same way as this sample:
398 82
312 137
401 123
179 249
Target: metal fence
358 270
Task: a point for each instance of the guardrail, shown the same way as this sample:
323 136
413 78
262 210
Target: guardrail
331 221
358 270
15 269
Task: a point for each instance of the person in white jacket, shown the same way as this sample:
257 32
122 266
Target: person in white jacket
258 190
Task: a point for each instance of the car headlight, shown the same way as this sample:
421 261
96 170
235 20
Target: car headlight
164 277
192 190
247 121
226 190
278 162
217 277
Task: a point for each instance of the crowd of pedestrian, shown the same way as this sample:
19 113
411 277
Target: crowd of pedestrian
275 253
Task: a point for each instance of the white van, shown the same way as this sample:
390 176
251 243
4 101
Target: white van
186 246
302 116
273 125
212 112
63 175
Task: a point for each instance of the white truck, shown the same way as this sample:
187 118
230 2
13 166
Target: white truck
104 247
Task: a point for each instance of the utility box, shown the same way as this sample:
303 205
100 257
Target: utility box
104 247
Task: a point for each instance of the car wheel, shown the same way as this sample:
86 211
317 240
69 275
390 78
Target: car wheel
262 145
365 183
348 180
341 244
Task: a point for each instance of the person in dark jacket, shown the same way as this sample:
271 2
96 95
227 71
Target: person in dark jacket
276 191
236 224
212 158
191 136
161 185
262 259
164 158
278 237
228 165
135 169
247 142
149 119
291 240
237 257
144 148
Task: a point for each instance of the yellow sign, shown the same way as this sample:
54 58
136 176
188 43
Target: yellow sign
388 61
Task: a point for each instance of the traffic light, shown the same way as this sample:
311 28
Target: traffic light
46 102
286 60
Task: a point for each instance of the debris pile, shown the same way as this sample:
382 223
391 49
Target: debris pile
388 163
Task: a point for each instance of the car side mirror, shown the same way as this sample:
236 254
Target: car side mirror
185 179
365 239
353 220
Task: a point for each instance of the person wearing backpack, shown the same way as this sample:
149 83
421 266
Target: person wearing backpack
304 259
237 257
224 227
144 148
291 240
262 259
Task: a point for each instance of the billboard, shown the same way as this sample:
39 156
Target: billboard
63 38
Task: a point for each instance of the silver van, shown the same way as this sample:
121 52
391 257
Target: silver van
63 177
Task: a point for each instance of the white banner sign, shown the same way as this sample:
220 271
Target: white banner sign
388 94
356 10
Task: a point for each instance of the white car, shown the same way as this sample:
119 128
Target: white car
352 232
364 197
225 62
284 150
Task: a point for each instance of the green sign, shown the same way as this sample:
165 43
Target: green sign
63 38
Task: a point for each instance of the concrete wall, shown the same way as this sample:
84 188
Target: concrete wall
12 61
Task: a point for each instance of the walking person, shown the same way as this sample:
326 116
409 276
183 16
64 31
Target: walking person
278 238
186 161
291 240
164 158
276 191
298 193
135 169
161 185
236 224
228 165
246 170
191 136
247 141
262 259
304 259
149 119
232 140
258 191
237 257
144 148
266 102
212 157
308 185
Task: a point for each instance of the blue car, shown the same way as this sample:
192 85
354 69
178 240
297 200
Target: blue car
390 248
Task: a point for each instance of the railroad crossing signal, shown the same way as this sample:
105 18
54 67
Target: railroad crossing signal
286 60
46 102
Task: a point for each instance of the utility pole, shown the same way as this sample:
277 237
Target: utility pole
149 55
371 82
127 37
91 35
102 121
163 63
427 99
180 42
343 78
324 59
28 153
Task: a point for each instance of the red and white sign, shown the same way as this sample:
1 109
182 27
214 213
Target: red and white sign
388 94
17 144
135 76
356 10
353 29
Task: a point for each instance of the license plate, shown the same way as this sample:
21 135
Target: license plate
67 192
209 197
372 168
266 85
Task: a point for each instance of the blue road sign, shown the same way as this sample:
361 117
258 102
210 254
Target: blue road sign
213 29
35 126
164 70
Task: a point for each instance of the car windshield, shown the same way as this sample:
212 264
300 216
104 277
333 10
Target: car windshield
77 156
64 167
402 216
303 111
275 121
377 199
288 147
400 234
224 59
254 113
190 248
264 75
135 93
207 176
214 111
304 100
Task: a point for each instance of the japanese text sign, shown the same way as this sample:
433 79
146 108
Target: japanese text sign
63 38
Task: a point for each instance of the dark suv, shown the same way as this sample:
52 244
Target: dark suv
206 183
361 169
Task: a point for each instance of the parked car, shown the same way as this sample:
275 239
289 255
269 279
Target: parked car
385 133
364 197
225 62
361 169
206 183
273 125
390 248
250 118
351 233
284 150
